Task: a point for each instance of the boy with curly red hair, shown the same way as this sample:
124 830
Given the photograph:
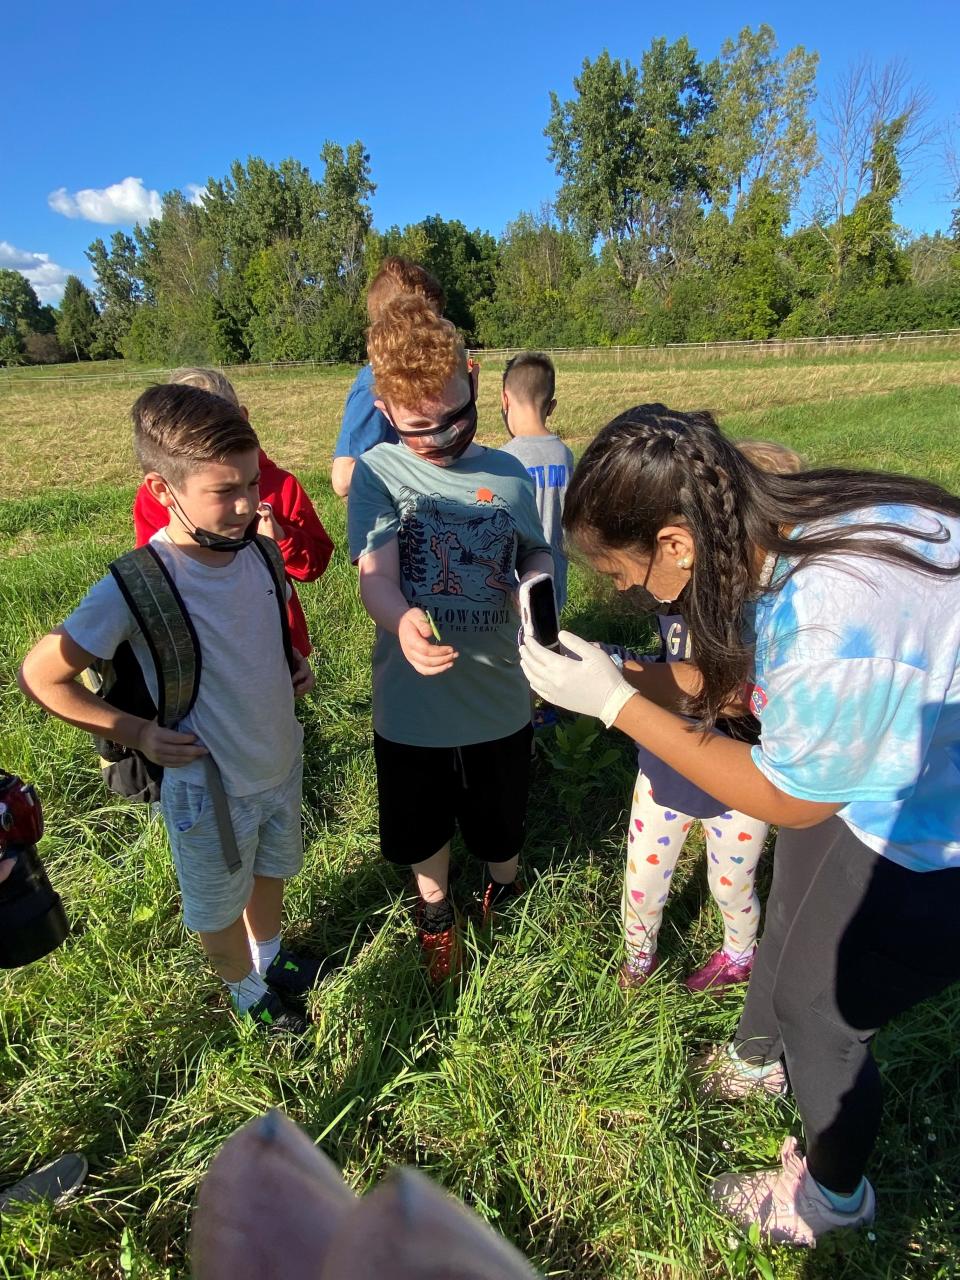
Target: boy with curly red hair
441 529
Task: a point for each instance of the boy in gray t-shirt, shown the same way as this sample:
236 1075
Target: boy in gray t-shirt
201 461
527 401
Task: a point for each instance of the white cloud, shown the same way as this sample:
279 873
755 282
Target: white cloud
47 278
124 202
195 193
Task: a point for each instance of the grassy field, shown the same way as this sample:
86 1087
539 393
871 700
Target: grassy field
534 1089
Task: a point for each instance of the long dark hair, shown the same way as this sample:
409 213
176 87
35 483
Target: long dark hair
653 466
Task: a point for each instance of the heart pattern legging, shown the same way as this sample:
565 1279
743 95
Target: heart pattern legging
654 840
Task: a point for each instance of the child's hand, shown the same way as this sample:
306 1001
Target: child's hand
167 747
302 675
268 526
415 635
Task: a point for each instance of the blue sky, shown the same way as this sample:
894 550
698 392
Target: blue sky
450 100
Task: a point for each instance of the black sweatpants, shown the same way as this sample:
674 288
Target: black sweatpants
851 939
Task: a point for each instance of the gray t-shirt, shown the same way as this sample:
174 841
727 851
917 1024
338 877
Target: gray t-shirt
550 465
244 710
460 531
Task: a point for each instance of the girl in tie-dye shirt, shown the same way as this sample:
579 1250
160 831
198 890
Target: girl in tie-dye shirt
834 597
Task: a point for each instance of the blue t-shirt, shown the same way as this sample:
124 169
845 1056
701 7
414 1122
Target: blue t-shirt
858 690
671 789
362 425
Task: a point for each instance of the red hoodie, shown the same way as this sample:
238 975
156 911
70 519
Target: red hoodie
306 549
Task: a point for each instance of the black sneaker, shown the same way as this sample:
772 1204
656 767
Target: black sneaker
56 1182
294 976
272 1016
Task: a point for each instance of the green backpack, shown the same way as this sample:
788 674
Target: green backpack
161 615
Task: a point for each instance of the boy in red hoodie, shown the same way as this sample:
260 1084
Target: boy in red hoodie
286 513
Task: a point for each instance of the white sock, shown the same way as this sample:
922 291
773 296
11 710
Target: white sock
740 957
264 953
749 1068
247 991
639 961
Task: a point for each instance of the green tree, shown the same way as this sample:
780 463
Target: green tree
533 302
119 291
632 150
181 319
762 128
77 321
21 314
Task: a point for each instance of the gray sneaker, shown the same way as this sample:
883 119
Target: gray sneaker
718 1075
786 1204
58 1182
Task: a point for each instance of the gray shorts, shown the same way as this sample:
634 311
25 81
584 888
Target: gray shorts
269 837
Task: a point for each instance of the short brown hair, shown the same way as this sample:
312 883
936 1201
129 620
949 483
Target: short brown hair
413 351
207 380
177 428
400 275
531 377
776 459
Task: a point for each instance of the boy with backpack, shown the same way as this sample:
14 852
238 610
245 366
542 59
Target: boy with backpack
202 610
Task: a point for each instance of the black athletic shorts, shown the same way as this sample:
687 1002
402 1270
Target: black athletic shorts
426 792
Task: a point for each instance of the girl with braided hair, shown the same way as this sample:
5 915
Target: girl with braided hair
828 603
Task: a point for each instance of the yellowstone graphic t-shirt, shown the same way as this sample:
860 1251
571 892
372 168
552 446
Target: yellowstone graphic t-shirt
460 530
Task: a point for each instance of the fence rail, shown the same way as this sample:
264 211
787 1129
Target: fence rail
764 346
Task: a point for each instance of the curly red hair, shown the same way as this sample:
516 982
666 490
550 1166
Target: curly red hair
414 352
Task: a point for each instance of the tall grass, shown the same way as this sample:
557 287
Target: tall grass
554 1104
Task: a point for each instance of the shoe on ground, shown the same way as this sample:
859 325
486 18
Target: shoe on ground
720 1076
719 973
293 976
56 1182
496 897
439 948
271 1016
634 971
786 1203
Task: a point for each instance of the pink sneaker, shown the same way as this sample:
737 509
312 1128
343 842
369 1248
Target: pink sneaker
786 1203
635 970
719 973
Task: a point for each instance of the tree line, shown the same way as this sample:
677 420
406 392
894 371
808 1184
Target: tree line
696 203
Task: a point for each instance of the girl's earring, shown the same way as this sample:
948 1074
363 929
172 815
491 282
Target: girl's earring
684 562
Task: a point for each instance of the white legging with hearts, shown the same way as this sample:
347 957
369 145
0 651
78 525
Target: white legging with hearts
654 841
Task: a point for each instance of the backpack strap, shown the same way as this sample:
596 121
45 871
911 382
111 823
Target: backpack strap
162 617
273 559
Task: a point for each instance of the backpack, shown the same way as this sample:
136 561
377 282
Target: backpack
161 615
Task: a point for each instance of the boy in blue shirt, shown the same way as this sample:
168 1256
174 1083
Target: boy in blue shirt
363 426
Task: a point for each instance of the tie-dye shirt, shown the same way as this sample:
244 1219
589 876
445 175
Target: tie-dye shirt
858 691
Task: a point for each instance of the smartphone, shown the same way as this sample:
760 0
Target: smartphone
538 610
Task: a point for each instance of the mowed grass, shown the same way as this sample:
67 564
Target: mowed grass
533 1088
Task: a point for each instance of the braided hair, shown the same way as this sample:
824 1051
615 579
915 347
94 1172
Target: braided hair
652 467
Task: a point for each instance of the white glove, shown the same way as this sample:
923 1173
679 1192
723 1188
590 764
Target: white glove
580 677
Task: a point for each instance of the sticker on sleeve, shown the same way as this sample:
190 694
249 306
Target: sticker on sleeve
758 700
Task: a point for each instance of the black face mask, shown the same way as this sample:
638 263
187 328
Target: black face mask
216 541
645 601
